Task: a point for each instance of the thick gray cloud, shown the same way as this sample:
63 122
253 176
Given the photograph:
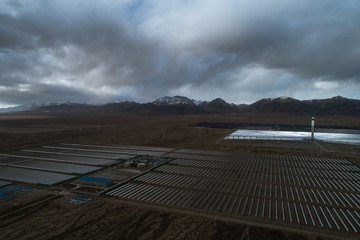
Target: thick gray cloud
87 51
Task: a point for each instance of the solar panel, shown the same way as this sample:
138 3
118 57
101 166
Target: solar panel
4 183
10 160
32 176
296 191
62 158
56 166
118 147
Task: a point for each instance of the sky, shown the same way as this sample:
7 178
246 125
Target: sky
97 51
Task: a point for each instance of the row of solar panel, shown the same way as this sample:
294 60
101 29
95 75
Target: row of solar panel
248 164
53 164
309 215
309 192
4 183
267 160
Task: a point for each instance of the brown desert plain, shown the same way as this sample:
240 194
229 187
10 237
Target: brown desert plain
110 218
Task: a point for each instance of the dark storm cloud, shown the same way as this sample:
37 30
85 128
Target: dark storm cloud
56 48
314 39
141 50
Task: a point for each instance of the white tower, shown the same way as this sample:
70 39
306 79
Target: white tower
312 128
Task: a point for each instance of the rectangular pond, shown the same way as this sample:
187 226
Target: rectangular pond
345 138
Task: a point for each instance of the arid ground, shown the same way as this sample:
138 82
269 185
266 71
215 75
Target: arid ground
108 218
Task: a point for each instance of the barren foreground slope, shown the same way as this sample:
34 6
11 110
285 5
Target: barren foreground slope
106 218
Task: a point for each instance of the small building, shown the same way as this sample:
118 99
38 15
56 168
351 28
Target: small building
141 165
101 182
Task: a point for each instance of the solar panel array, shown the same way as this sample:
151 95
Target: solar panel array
56 166
4 183
53 164
345 138
319 194
64 157
86 152
120 147
33 176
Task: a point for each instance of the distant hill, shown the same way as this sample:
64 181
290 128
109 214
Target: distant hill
20 108
219 105
337 105
282 105
174 101
183 105
290 106
65 107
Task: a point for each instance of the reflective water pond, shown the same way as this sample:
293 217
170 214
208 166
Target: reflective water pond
290 135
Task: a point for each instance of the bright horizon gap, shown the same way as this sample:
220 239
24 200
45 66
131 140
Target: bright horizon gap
8 106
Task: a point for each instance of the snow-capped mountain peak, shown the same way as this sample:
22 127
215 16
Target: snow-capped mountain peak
176 100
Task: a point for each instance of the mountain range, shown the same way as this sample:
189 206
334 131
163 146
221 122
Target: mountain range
183 105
